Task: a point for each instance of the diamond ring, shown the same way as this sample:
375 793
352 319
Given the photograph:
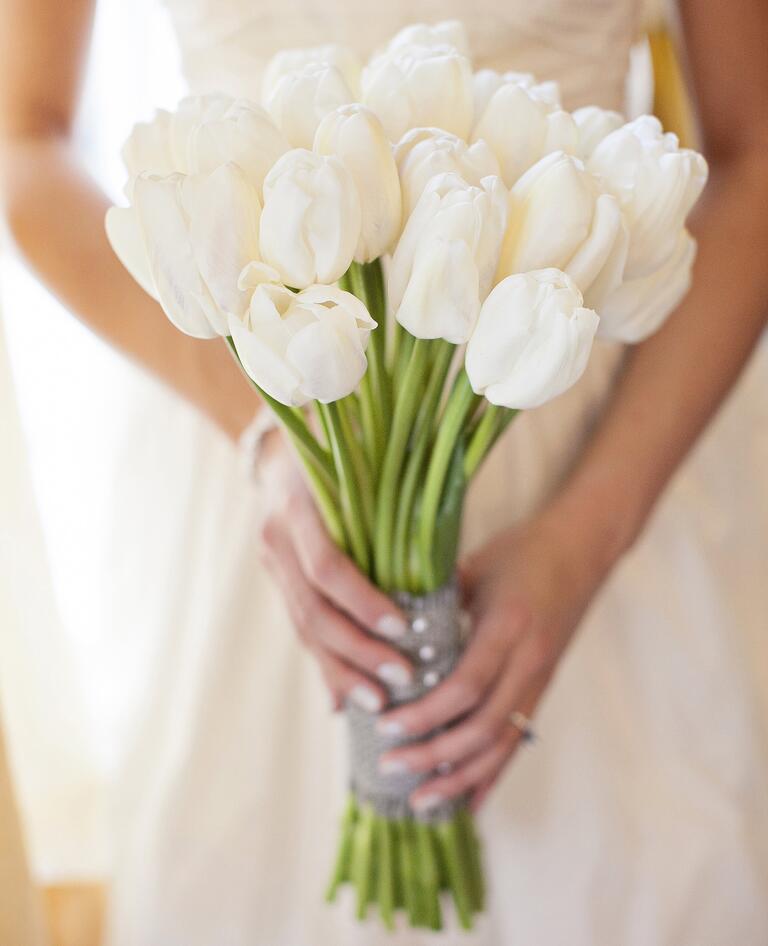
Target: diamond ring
521 722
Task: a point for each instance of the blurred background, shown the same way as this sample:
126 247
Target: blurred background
76 505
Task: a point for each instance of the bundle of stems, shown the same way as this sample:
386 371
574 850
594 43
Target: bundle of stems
389 466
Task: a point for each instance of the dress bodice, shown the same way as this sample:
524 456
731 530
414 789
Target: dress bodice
584 44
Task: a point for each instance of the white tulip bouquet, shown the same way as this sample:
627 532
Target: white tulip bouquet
401 257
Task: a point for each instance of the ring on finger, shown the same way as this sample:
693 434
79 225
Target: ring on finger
523 725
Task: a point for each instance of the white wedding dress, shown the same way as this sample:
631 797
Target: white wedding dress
641 816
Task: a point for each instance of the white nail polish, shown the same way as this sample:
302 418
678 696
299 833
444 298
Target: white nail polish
365 698
388 727
426 802
391 626
393 767
396 675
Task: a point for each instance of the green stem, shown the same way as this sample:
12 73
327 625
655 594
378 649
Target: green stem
471 846
386 878
359 462
422 439
429 875
457 871
407 869
342 869
351 503
317 462
460 404
405 409
364 284
291 419
362 859
493 423
372 277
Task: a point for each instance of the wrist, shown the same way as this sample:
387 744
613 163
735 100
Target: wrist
598 514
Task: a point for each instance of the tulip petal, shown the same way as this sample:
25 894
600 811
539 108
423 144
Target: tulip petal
172 263
442 299
330 362
262 354
639 306
125 236
224 213
589 260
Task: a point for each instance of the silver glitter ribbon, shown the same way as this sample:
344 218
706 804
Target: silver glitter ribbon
434 642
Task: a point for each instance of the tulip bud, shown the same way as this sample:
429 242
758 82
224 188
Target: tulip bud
355 135
311 221
294 60
521 128
153 242
300 100
187 240
245 135
594 124
486 82
558 218
306 346
160 146
656 183
424 153
532 340
447 33
420 86
639 306
444 263
223 210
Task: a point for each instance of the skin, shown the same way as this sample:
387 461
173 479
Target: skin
529 587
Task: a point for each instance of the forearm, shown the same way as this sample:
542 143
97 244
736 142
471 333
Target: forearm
674 382
55 214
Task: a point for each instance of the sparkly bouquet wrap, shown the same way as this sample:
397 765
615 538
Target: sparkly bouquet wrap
402 256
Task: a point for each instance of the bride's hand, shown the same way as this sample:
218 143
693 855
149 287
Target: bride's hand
337 612
526 592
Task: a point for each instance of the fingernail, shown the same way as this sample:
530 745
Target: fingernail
365 698
389 727
391 625
393 767
396 675
426 802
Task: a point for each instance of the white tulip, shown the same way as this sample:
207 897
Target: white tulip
153 242
420 86
148 147
532 340
243 134
300 100
205 132
160 145
223 210
306 346
188 240
640 306
522 128
311 221
294 60
486 82
594 124
656 182
424 153
187 115
444 263
446 33
559 218
355 135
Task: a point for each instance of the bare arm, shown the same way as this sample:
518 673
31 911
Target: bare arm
677 379
55 212
529 588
